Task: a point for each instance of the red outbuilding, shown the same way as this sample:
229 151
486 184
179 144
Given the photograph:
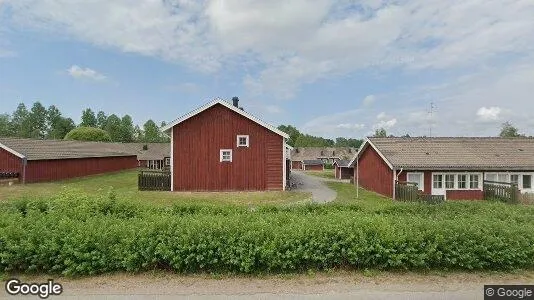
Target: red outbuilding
221 147
32 160
454 168
343 170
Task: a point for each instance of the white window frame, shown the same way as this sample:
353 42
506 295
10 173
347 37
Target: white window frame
421 184
167 161
457 184
243 136
442 181
221 159
454 181
478 181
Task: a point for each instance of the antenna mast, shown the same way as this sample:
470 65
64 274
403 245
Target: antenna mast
431 112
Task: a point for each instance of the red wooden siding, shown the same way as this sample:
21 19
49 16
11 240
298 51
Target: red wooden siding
374 173
465 195
313 167
10 162
296 165
198 140
57 169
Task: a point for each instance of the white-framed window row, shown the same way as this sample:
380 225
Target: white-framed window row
167 161
226 155
154 164
457 181
243 141
524 181
418 178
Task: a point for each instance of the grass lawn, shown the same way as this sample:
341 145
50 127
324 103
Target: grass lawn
346 194
125 186
329 174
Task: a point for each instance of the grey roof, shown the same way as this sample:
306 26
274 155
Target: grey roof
59 149
312 162
311 153
458 153
343 163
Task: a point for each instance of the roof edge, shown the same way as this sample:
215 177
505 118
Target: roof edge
229 106
11 151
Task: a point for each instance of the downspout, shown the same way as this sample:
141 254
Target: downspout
357 177
395 178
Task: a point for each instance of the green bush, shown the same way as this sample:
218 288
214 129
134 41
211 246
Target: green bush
74 234
88 134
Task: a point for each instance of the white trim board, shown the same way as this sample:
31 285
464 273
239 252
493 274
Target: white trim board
11 151
229 106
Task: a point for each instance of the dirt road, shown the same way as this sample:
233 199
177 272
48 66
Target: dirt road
338 285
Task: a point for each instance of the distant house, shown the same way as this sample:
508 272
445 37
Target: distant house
221 147
452 167
343 170
32 160
327 155
313 165
155 156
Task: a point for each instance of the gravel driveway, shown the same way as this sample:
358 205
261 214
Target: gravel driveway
312 184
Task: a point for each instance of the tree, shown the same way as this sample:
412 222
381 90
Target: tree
19 122
342 142
151 133
138 133
88 134
381 132
53 121
101 120
88 118
37 119
5 125
126 130
113 127
293 133
508 130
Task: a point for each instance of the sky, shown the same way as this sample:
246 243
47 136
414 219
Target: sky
331 68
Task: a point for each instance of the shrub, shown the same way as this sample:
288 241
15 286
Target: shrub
75 234
88 134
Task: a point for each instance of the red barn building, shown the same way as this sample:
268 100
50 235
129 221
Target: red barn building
451 167
49 160
313 165
221 147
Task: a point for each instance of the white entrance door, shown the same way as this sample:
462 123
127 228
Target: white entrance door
438 184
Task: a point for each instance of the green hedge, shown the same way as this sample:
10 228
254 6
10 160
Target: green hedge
75 234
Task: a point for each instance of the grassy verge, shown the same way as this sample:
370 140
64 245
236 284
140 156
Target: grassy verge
124 185
329 174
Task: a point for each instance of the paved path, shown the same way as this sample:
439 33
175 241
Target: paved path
321 286
312 184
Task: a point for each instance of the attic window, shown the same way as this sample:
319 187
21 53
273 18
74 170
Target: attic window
242 141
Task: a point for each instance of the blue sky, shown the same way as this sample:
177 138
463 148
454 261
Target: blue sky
332 68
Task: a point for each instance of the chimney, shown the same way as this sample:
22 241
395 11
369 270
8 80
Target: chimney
235 101
241 108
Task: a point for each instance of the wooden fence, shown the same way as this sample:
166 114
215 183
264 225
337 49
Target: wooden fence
408 191
154 181
501 191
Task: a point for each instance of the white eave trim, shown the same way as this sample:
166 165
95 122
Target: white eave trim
229 106
362 148
11 151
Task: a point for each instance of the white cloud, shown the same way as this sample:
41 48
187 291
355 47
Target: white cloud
305 42
386 124
369 100
81 73
351 126
381 116
491 114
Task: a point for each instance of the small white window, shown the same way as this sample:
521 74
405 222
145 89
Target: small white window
226 155
462 181
473 181
449 181
514 179
527 181
242 141
438 181
416 178
167 161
